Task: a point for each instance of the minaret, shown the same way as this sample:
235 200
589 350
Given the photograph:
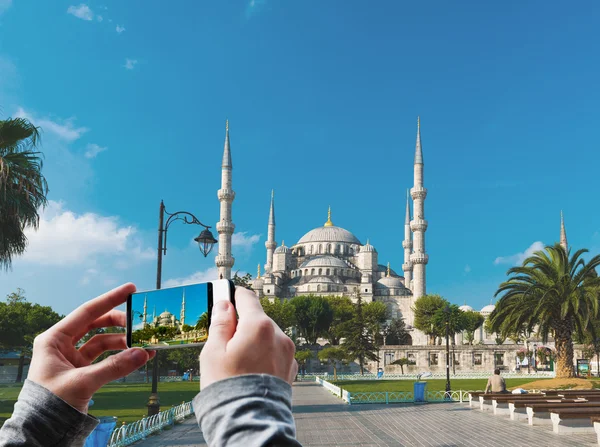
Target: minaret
225 227
407 245
145 311
271 244
182 316
418 225
258 271
154 314
563 233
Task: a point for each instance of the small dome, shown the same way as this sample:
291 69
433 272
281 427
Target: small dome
367 248
329 234
466 308
282 249
390 282
324 261
488 309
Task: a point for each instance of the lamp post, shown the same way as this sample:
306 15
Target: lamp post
205 241
447 312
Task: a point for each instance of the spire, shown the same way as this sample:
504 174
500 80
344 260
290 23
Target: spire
418 151
407 218
144 317
388 270
258 272
329 223
282 243
272 210
226 151
563 233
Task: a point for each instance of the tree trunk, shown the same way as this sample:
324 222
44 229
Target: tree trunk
402 368
334 373
432 340
21 366
564 350
362 368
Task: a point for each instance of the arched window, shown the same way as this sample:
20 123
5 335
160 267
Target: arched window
334 272
327 272
328 249
339 248
299 272
320 248
318 287
320 272
312 271
305 272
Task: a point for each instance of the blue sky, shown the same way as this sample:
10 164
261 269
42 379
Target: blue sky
322 99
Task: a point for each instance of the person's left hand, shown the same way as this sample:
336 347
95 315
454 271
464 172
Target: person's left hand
68 372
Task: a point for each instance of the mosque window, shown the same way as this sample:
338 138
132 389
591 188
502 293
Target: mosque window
477 358
268 290
328 248
320 272
310 249
320 249
299 272
366 290
318 287
334 272
433 358
339 248
498 358
305 272
312 271
327 272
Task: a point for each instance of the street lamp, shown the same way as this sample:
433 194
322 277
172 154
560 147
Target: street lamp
447 312
205 241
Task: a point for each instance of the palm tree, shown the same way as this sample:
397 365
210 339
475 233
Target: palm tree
23 188
556 294
202 323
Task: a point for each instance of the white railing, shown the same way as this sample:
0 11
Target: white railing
334 389
127 434
474 375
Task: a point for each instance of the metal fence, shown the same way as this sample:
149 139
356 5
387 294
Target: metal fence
127 434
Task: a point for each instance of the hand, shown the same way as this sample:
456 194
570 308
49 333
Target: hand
254 344
68 372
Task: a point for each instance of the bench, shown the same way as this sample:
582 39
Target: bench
517 409
501 396
500 404
595 420
542 412
574 420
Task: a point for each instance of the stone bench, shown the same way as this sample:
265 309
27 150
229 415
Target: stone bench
541 413
574 420
517 409
489 398
501 404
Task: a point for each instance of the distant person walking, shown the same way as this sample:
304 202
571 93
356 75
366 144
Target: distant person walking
496 383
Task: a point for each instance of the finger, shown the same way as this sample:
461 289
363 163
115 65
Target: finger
114 318
115 367
94 309
101 343
222 326
246 302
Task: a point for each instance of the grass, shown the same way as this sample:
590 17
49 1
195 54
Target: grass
432 385
125 401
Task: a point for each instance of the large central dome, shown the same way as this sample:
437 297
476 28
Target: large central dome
329 234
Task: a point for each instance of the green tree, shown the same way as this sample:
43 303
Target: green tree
183 359
472 321
186 328
280 311
333 355
165 333
455 318
22 321
402 361
359 340
23 188
242 281
143 335
343 311
302 357
376 315
313 316
556 293
202 323
395 332
425 308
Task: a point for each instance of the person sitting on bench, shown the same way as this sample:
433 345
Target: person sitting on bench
496 383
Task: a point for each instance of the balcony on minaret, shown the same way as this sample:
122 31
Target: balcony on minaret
418 192
419 258
418 225
407 267
224 261
225 227
271 245
407 244
226 195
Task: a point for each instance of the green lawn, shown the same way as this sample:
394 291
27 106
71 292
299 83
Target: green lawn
125 401
432 385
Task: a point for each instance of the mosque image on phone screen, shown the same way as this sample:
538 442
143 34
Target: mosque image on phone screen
166 329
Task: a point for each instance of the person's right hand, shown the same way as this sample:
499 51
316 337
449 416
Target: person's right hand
254 344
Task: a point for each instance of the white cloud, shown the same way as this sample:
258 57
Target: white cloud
210 274
65 238
65 129
243 241
4 5
87 277
99 18
92 150
467 268
130 63
82 12
518 258
120 29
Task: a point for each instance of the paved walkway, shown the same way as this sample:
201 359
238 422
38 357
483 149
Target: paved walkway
324 420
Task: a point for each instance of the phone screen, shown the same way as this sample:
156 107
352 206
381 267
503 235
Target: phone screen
170 318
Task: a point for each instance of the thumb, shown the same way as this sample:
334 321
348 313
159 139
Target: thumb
116 366
222 325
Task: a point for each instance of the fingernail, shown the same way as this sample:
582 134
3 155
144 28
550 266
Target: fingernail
220 307
139 355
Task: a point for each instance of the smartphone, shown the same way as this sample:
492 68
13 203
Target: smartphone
176 317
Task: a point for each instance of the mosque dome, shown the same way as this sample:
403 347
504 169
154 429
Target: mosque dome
390 282
487 309
282 249
165 314
329 234
324 261
367 248
466 308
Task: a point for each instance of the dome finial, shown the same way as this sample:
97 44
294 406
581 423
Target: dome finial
388 270
368 241
258 272
227 125
329 223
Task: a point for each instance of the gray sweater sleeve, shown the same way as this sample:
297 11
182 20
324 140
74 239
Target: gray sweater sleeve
253 410
42 419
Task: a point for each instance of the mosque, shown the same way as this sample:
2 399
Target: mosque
330 260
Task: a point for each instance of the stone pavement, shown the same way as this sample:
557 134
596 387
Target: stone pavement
324 420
